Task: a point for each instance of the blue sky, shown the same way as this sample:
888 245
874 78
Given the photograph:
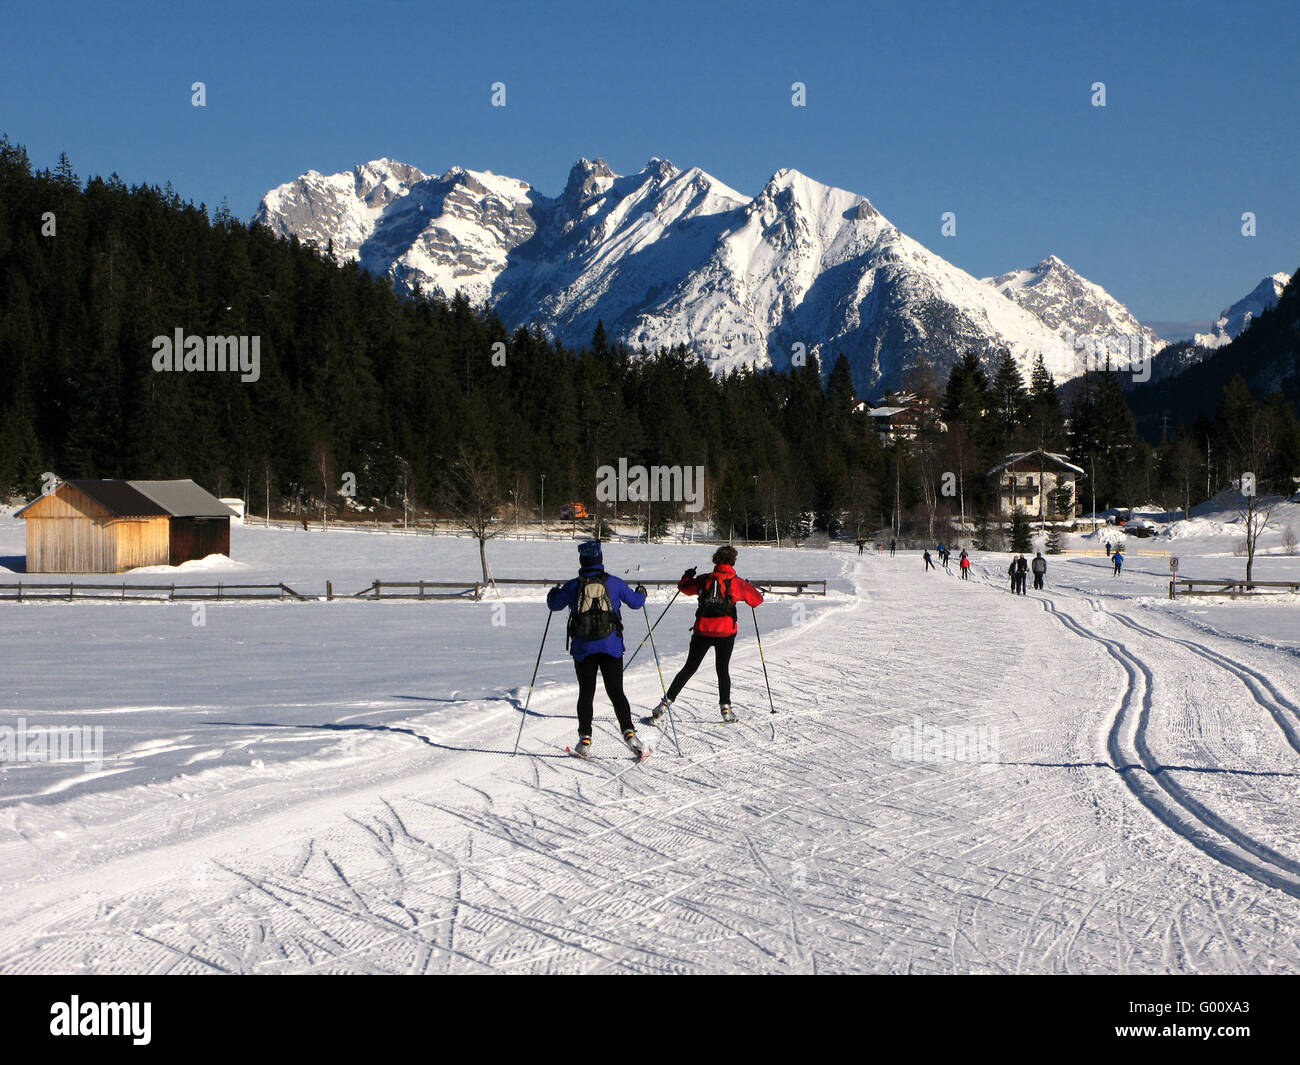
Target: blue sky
983 109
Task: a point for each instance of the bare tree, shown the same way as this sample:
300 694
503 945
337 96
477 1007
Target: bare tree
1254 444
404 483
474 497
1289 539
324 463
1187 461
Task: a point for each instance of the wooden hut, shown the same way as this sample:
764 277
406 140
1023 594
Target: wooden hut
111 526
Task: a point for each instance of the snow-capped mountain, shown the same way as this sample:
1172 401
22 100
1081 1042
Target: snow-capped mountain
1232 321
1071 304
668 256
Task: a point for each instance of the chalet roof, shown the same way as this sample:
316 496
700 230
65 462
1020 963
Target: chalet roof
1049 459
119 498
147 499
183 499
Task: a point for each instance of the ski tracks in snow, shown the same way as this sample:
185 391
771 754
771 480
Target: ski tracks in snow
814 840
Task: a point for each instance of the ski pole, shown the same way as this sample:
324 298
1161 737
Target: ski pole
524 716
762 659
652 629
650 634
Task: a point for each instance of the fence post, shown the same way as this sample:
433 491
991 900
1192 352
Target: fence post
1172 594
329 591
377 590
422 589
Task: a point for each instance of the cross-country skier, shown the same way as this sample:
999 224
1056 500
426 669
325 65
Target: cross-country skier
596 639
1118 559
965 566
1039 566
861 545
715 626
929 562
892 544
1022 574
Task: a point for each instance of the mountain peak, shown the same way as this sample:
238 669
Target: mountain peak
588 180
1236 318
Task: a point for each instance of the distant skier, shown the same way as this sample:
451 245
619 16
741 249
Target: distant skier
892 544
715 627
1022 574
596 639
1108 549
1118 559
861 545
929 562
1011 572
965 566
304 525
1039 566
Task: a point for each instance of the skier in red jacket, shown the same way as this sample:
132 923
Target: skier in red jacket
715 626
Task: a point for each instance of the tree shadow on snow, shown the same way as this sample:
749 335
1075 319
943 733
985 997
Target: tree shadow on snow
1158 770
490 699
331 727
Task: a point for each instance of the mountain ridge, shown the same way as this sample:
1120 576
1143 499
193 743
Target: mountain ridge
667 256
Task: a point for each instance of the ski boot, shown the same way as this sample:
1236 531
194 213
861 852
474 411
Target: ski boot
665 704
634 743
727 714
583 748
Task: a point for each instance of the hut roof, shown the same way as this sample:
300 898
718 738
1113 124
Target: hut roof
148 499
119 498
183 499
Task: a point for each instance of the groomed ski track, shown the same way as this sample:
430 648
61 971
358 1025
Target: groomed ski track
1122 824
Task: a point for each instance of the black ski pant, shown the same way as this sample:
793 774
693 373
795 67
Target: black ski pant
1038 580
722 646
611 669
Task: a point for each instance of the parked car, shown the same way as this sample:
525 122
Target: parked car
1139 527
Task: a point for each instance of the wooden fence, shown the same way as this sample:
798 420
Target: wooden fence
70 591
466 590
1226 586
26 591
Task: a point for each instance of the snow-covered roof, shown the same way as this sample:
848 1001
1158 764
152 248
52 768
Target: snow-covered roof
1050 458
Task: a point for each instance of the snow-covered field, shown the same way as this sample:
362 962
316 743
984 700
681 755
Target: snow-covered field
1094 779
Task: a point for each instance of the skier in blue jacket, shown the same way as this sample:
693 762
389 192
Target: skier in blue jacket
596 639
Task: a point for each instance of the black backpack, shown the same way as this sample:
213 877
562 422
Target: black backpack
594 618
715 598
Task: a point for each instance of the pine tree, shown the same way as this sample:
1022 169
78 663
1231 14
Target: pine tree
1020 532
